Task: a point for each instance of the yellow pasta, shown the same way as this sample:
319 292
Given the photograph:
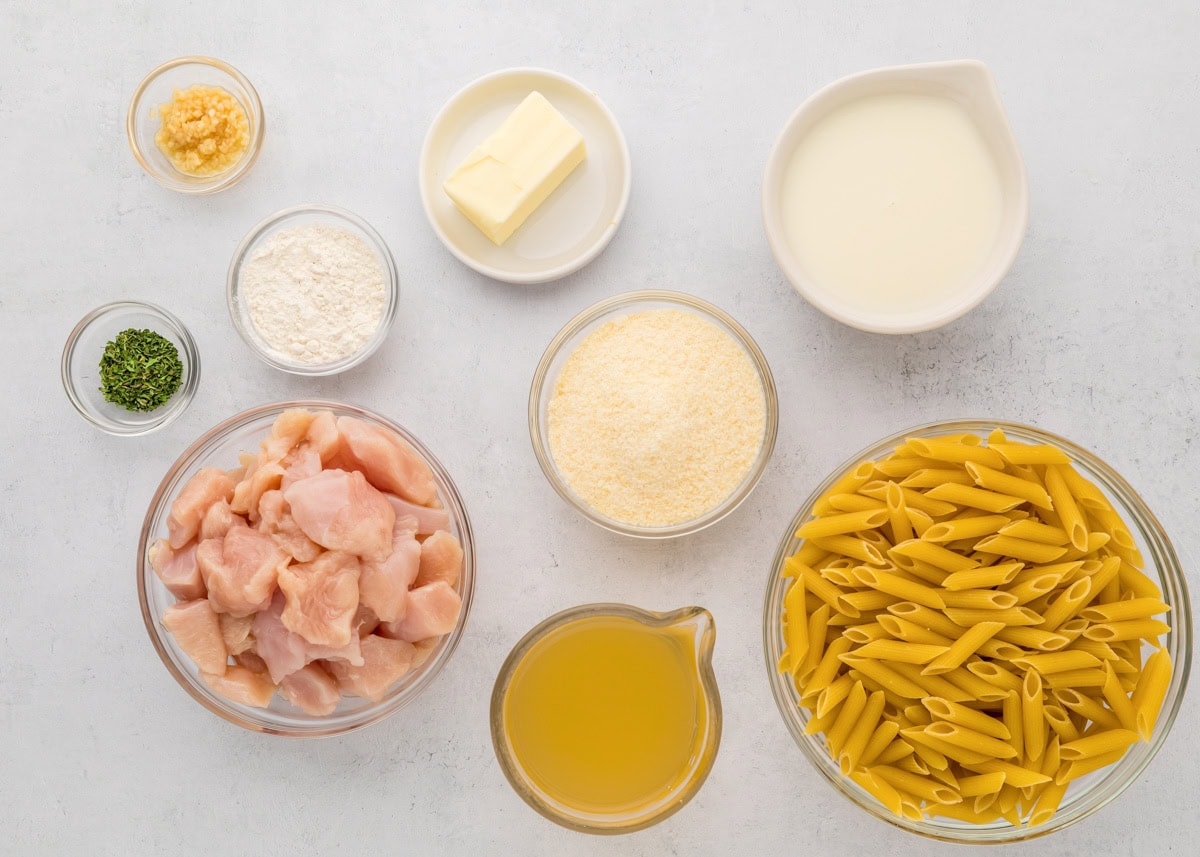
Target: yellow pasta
974 498
979 599
963 647
1022 549
1035 531
1033 723
851 547
1150 691
904 590
860 733
1028 490
944 709
1057 662
843 523
896 650
1134 629
966 629
998 574
965 528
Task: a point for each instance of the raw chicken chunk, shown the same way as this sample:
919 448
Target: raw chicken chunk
217 521
241 570
258 481
384 663
383 586
205 488
235 631
341 511
177 569
195 628
286 432
321 598
275 519
285 652
312 690
441 559
323 436
432 611
429 520
242 685
388 462
301 462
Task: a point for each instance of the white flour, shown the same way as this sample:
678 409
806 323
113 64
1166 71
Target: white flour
314 293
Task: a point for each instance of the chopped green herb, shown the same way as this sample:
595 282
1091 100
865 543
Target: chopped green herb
140 370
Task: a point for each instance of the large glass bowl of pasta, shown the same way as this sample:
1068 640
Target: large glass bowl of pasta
977 631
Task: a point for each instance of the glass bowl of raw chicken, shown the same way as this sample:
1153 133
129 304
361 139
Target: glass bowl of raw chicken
306 568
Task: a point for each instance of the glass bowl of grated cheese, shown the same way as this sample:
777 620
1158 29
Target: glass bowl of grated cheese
653 413
313 290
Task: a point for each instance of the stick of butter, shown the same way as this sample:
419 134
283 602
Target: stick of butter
508 175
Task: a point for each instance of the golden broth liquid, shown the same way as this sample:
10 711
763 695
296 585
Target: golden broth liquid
604 714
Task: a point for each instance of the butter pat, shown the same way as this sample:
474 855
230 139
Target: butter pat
508 175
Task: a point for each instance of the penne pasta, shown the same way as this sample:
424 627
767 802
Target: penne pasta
1150 691
975 498
897 650
945 709
860 733
1020 453
1022 549
843 523
1120 611
969 629
1008 484
1065 506
1134 629
1033 723
966 617
1035 531
979 599
852 547
965 528
962 648
981 578
1057 662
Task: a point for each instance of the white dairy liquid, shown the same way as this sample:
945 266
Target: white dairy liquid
892 201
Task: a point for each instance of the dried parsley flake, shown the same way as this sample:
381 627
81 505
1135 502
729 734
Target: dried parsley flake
140 370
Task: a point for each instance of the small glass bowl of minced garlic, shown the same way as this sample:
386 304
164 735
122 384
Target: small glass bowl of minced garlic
130 368
195 124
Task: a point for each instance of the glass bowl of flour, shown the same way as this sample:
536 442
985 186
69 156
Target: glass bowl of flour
312 290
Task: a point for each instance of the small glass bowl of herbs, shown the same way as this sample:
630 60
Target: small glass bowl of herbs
130 367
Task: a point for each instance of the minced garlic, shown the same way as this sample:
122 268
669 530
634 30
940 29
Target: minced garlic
204 130
656 418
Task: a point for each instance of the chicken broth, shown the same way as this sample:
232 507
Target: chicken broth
606 714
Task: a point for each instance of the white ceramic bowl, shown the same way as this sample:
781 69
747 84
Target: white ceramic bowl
971 85
574 224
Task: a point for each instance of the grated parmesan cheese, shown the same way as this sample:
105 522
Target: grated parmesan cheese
656 418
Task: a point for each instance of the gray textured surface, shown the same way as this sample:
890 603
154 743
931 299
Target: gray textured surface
1092 335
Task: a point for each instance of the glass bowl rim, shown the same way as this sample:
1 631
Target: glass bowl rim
542 384
259 231
375 712
1165 565
198 185
603 610
175 406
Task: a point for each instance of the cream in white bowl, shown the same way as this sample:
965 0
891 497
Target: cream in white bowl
895 200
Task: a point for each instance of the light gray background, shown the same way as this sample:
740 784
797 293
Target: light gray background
1093 335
